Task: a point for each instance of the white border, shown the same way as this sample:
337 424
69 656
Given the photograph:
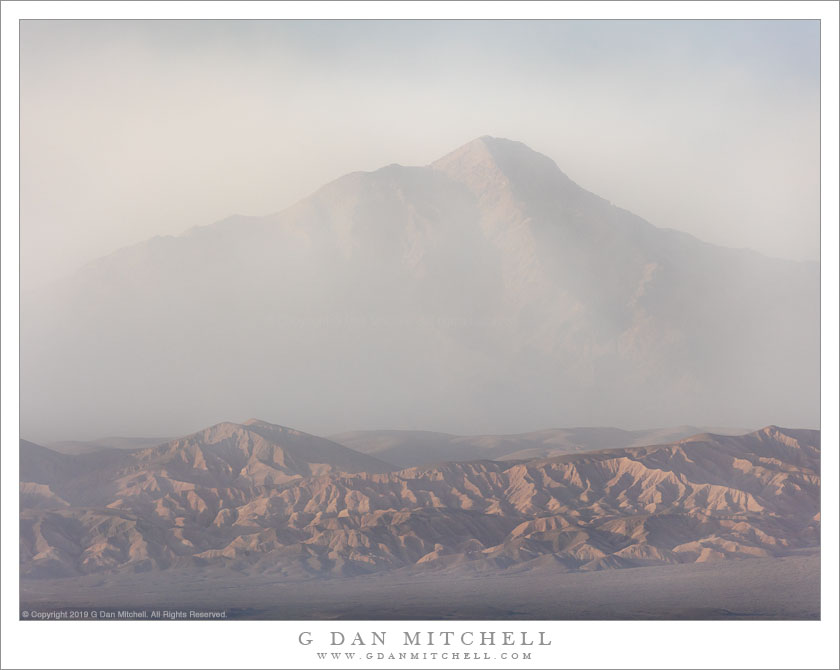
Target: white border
267 644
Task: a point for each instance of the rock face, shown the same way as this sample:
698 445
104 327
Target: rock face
486 291
264 498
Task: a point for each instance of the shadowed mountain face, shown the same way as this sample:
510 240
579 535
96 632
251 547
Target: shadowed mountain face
262 498
485 292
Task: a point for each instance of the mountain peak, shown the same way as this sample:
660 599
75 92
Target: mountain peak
489 162
486 150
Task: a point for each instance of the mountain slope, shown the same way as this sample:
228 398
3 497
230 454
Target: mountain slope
231 497
485 292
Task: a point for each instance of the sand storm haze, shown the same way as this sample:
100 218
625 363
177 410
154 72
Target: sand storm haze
486 293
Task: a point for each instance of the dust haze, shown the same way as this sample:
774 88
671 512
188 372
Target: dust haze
131 129
484 293
293 219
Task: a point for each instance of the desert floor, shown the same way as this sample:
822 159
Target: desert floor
761 588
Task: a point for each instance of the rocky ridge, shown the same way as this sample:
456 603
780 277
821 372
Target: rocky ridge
262 498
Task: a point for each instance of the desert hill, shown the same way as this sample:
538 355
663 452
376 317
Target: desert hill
262 498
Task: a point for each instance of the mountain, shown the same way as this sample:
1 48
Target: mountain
409 448
253 454
259 498
486 292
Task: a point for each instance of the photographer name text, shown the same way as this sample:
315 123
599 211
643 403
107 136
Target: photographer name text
429 638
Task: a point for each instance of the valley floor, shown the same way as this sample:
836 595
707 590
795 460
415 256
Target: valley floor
761 588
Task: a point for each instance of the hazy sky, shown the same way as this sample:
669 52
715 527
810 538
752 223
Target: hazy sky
131 129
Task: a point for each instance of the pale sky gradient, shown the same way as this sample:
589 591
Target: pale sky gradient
131 129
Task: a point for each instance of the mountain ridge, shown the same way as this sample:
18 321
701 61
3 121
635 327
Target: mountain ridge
197 502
